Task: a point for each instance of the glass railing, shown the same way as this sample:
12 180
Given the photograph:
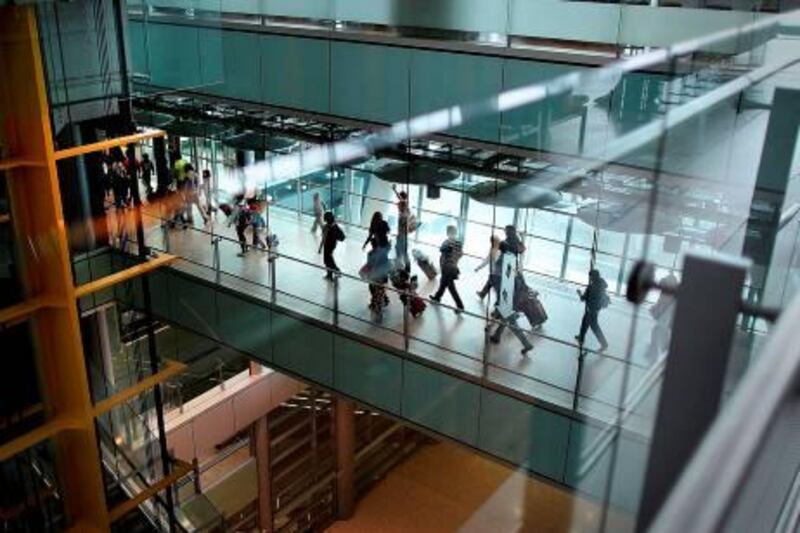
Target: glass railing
744 475
632 24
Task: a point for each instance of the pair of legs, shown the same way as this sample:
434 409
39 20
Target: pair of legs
242 238
492 282
401 252
590 321
318 224
330 263
448 282
511 322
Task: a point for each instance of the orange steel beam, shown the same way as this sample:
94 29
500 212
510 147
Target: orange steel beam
180 470
47 430
108 143
18 162
40 234
123 275
172 368
22 310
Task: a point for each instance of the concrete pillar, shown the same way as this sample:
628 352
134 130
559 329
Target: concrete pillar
259 439
345 458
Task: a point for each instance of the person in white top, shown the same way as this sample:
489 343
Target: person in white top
490 260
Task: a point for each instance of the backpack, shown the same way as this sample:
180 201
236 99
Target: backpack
339 235
604 300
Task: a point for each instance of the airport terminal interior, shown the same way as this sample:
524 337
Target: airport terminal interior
399 265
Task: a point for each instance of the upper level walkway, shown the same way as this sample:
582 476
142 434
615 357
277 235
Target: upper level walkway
556 371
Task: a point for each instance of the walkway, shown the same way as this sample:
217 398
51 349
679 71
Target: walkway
551 372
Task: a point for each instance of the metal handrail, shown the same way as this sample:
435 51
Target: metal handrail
701 499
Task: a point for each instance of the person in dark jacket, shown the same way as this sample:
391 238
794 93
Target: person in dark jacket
332 234
596 299
451 252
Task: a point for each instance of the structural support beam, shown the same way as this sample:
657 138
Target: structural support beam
107 144
47 430
708 304
123 275
172 368
22 310
44 258
181 469
345 424
260 446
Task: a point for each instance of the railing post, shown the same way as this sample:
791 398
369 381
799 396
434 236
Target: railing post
406 341
707 305
217 266
335 299
271 261
165 235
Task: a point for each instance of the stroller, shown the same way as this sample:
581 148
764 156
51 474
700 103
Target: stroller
408 284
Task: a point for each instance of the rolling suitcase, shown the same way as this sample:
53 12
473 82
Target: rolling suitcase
425 264
533 309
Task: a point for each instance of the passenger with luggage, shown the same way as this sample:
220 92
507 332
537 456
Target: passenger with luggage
332 235
507 313
408 286
451 251
596 299
377 268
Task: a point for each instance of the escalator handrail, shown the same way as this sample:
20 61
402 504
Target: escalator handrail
701 499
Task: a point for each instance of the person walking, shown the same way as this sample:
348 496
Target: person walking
319 209
191 195
209 205
240 218
146 170
490 260
258 223
451 251
377 268
332 235
596 299
406 224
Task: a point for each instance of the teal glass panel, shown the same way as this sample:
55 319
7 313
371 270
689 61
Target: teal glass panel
138 47
460 15
174 55
242 72
194 305
369 82
629 471
524 434
313 9
302 348
211 63
530 125
244 326
295 72
441 80
368 374
585 472
573 21
161 294
441 402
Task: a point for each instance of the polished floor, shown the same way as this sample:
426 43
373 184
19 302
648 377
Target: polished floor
556 370
443 488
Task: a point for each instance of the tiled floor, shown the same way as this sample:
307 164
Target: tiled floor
550 372
444 488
